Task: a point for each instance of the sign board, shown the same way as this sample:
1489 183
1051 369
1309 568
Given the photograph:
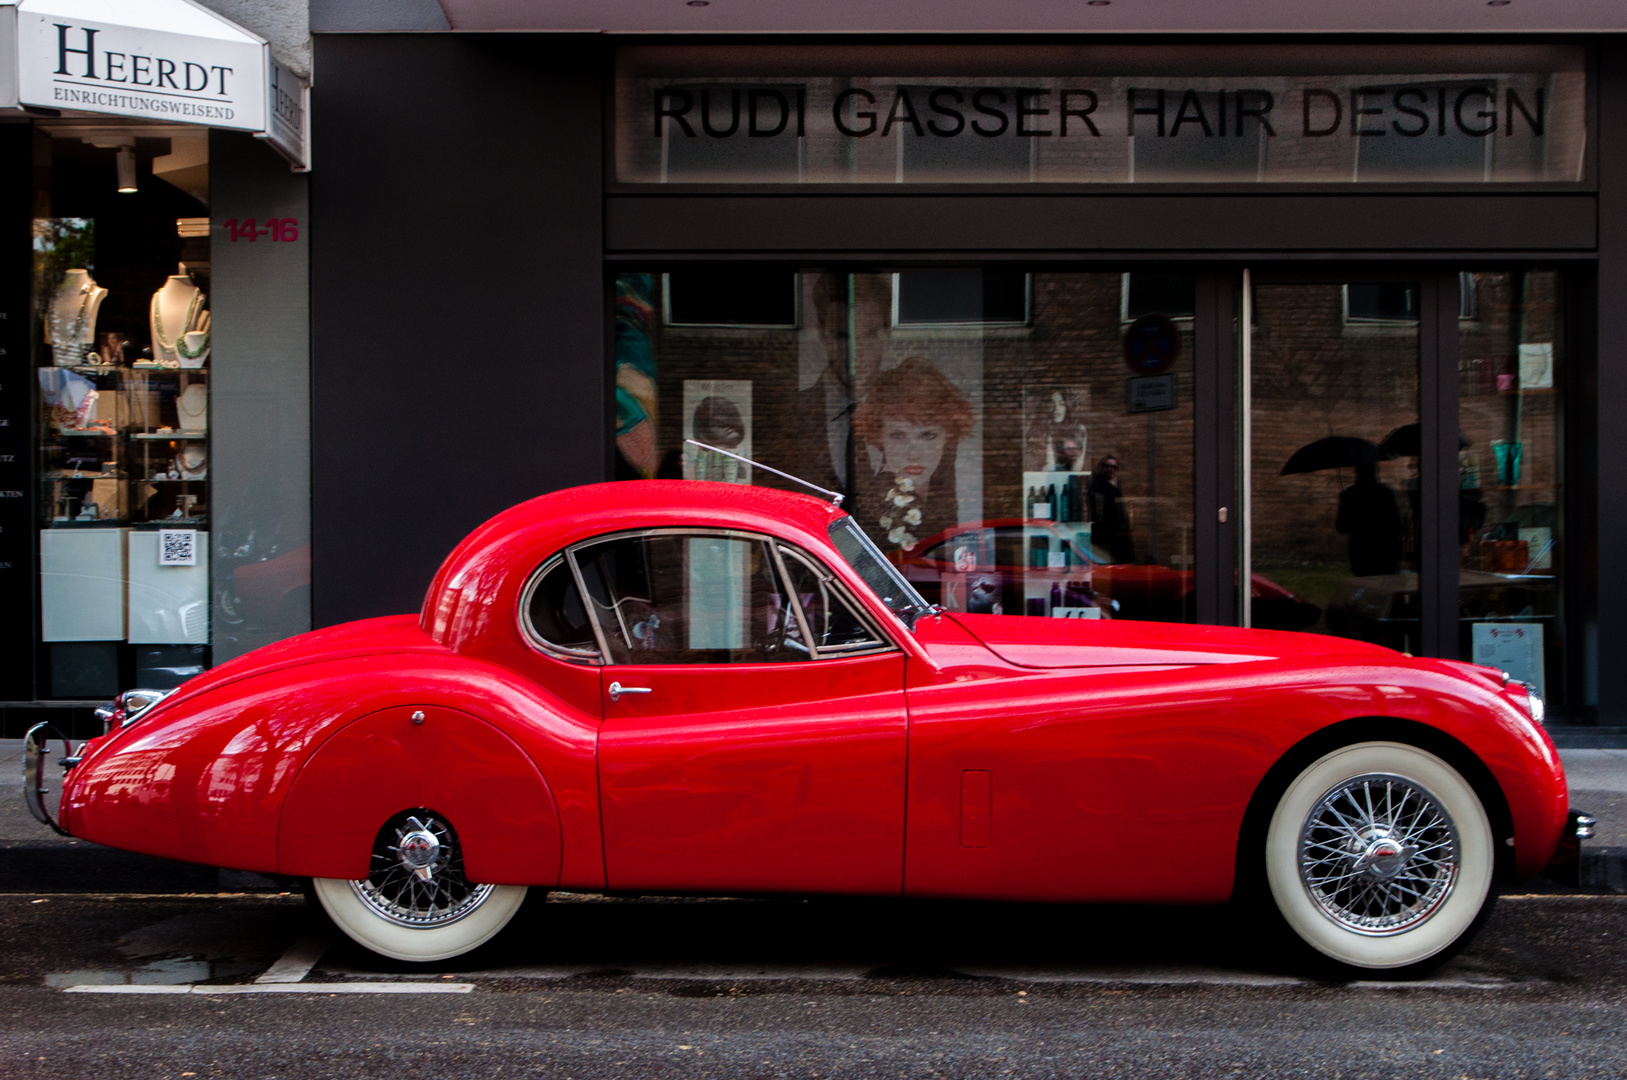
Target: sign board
1124 114
170 61
83 55
1152 393
287 128
1151 345
1514 647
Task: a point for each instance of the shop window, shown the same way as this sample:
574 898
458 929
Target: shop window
1155 292
988 403
1384 302
960 297
744 296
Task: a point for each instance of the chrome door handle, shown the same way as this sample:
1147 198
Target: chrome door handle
617 690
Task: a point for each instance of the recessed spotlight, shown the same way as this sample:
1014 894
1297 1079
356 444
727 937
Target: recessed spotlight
699 3
1498 3
1100 3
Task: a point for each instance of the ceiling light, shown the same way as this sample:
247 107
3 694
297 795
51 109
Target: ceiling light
1498 3
699 3
1100 3
126 160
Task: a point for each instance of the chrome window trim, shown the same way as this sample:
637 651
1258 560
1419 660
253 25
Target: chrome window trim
881 643
535 639
773 543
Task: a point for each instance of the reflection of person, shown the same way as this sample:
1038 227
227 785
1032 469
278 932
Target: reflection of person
1370 516
1109 518
914 419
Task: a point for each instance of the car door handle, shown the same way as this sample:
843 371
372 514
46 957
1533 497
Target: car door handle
617 690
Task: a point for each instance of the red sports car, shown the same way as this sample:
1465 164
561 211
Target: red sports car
681 687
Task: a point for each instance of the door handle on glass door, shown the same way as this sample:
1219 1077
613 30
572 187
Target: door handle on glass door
617 690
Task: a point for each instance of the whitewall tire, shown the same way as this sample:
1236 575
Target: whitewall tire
416 904
1380 856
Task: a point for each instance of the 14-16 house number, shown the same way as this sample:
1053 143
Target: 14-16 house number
276 229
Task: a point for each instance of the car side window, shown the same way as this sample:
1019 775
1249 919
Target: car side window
555 616
685 598
835 627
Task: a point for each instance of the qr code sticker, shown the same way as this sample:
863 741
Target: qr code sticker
177 547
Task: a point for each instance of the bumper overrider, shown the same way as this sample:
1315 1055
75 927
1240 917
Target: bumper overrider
122 711
1566 865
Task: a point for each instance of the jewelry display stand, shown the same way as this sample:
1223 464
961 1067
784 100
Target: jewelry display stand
70 320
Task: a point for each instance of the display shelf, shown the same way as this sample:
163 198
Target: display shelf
168 436
83 433
149 365
1519 487
176 480
97 369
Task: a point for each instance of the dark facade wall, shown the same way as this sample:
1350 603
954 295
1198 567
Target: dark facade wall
1612 382
457 297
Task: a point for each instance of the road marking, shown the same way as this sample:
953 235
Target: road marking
296 963
284 988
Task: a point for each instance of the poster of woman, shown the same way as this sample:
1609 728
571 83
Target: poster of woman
911 422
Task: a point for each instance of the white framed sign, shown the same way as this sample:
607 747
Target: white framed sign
161 60
1514 647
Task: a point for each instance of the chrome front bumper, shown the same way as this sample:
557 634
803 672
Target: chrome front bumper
1566 865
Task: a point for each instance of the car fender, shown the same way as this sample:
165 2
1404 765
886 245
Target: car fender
421 757
205 779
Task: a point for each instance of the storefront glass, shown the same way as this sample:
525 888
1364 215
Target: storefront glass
1334 442
1511 348
121 300
1016 441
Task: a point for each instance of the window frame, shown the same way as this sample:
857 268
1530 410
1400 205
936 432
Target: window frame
528 630
883 643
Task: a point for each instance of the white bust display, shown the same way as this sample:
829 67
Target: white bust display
70 323
177 309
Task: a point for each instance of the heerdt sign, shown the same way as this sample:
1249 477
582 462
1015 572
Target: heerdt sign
132 71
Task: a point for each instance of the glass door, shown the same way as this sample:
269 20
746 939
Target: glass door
1332 443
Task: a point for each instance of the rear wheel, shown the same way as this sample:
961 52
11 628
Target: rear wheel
1380 857
416 903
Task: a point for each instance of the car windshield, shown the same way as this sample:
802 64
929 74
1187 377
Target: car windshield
882 577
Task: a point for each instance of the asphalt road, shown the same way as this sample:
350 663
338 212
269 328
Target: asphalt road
585 987
119 965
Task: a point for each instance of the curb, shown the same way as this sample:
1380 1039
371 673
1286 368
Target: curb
1604 871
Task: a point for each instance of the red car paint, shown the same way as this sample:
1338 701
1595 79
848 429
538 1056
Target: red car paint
987 756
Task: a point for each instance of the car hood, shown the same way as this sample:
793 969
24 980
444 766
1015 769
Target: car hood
1084 643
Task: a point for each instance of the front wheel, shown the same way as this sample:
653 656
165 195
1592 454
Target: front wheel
416 904
1380 856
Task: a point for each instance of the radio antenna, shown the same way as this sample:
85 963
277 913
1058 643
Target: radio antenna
834 496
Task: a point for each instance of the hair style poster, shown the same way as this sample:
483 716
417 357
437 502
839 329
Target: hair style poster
918 428
635 374
1055 438
717 412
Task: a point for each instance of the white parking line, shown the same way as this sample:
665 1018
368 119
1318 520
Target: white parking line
284 988
296 963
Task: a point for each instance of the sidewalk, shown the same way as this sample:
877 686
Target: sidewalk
32 857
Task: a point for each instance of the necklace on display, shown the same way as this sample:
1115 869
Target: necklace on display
86 290
193 405
158 320
191 354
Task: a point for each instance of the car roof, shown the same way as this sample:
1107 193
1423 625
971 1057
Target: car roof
491 563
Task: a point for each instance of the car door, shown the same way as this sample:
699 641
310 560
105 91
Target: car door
754 726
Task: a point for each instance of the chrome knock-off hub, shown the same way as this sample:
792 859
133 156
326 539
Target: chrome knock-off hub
417 877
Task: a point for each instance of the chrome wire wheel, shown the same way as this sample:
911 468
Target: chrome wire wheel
416 878
1379 854
417 903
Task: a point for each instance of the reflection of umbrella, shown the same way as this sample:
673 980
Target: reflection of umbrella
1333 452
1405 441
